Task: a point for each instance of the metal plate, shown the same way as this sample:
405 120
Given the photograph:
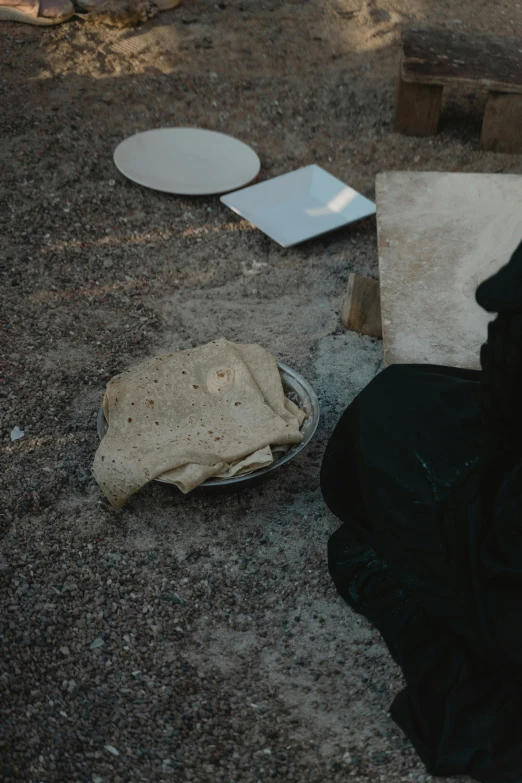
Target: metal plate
300 392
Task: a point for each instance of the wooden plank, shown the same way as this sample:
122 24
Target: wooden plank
362 306
440 235
502 125
436 56
417 108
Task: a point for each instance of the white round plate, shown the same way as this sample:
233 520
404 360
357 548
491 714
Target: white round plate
187 161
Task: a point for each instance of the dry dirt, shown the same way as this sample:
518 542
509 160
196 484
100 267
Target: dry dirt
222 652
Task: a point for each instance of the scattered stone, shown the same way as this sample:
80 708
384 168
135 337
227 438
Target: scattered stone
379 758
112 750
99 642
17 433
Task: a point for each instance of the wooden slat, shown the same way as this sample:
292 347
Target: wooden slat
502 126
362 306
417 108
437 56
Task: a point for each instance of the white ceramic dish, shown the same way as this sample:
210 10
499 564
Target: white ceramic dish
299 205
187 161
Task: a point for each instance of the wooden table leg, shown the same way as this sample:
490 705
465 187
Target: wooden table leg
362 306
502 125
417 108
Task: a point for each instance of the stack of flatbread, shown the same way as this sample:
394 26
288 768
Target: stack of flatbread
215 411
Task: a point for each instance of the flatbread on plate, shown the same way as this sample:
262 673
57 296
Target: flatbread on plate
192 415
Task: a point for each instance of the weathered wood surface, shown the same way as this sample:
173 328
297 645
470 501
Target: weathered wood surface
439 56
362 306
439 236
417 108
502 125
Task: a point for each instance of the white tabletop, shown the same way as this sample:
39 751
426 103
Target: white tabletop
440 235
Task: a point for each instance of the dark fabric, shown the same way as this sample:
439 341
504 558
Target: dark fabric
502 293
425 473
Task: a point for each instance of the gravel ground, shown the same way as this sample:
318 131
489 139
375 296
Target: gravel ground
190 638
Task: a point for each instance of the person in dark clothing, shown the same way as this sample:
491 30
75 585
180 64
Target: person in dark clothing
424 470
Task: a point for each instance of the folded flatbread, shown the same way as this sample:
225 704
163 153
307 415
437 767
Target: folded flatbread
213 411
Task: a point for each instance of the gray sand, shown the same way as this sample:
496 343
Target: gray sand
198 638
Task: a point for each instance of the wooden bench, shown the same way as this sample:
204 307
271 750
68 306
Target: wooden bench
432 59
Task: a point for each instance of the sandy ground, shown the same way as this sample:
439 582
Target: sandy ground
222 652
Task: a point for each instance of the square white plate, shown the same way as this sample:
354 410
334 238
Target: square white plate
299 205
